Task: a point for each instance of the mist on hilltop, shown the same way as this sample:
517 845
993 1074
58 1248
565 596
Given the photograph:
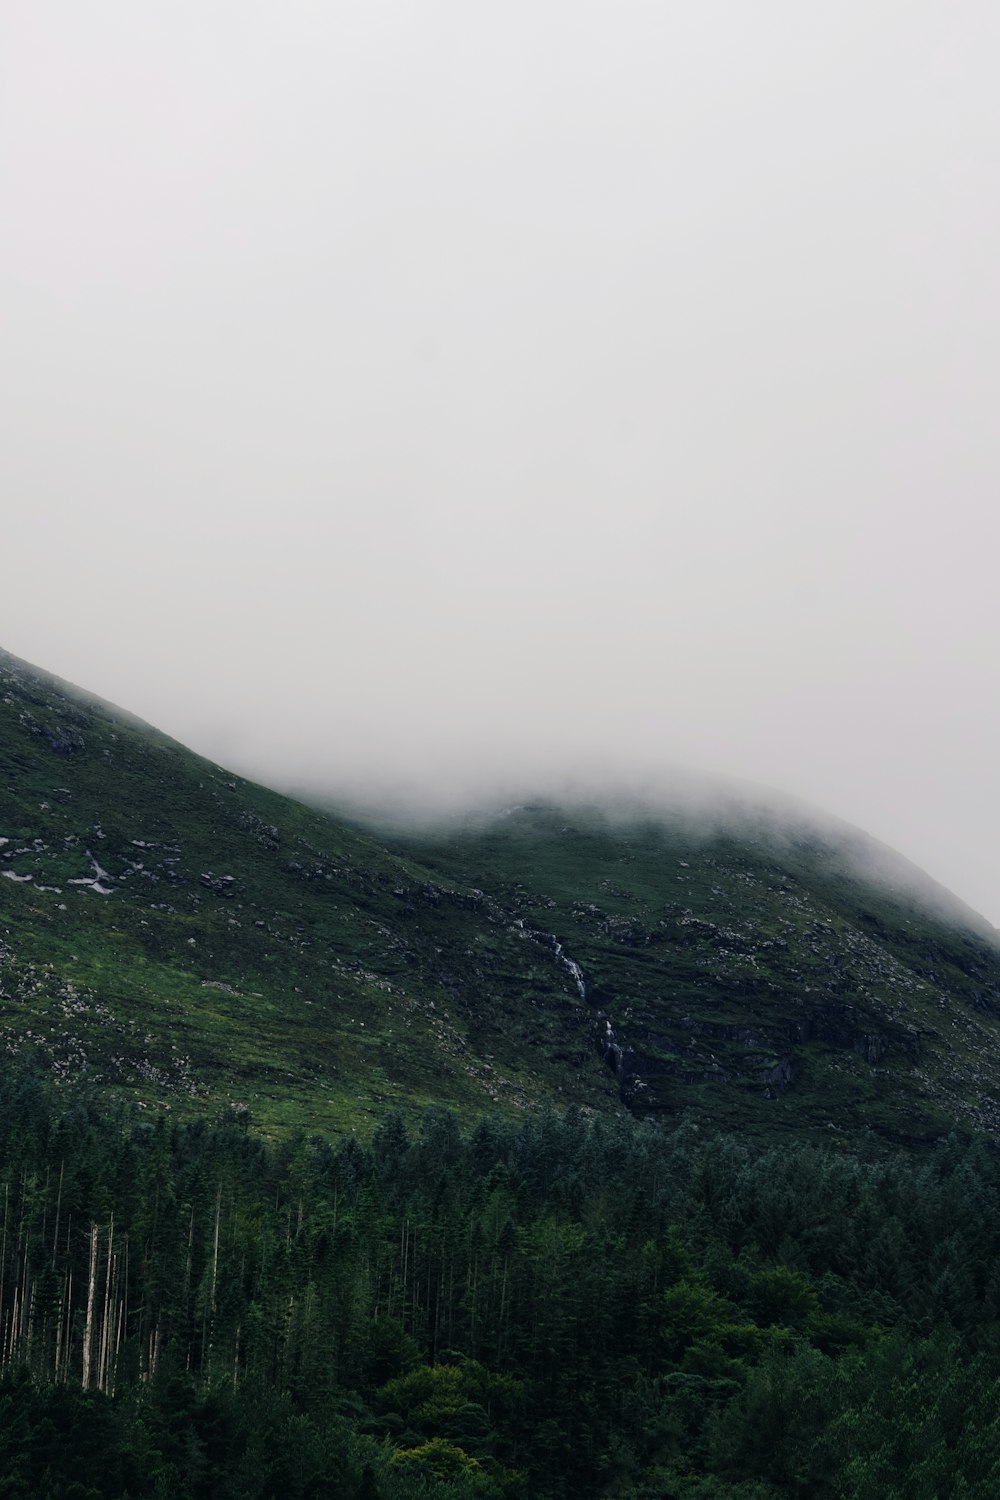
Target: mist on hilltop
689 805
416 403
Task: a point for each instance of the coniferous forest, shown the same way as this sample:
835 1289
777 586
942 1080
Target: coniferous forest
551 1307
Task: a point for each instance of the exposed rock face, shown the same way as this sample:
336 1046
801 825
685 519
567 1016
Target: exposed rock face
700 1051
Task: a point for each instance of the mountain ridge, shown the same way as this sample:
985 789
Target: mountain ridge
179 934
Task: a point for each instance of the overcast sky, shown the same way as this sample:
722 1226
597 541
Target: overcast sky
400 393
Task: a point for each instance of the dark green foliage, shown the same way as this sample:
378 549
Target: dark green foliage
553 1308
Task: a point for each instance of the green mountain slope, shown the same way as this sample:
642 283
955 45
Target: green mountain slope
173 931
747 971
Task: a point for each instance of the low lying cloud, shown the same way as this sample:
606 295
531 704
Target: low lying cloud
416 405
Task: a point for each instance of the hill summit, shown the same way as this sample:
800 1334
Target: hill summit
173 932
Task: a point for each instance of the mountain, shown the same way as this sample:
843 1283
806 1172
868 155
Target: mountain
173 932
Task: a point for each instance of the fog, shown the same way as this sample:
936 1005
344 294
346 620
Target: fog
420 402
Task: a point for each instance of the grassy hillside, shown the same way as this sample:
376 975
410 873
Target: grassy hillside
178 932
175 932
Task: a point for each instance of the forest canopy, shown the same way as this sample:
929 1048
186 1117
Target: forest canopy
548 1307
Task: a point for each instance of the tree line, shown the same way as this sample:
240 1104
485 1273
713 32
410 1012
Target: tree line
552 1306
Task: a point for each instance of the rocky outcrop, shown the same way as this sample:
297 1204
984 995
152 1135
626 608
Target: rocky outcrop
712 1052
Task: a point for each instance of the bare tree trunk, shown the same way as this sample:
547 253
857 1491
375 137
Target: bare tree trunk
55 1232
25 1292
69 1302
503 1309
3 1258
215 1246
104 1340
119 1331
63 1328
88 1333
12 1326
122 1318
